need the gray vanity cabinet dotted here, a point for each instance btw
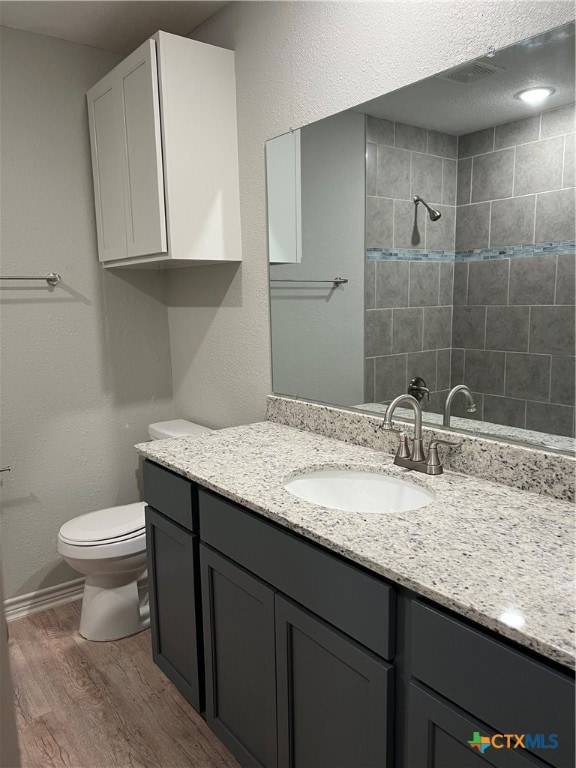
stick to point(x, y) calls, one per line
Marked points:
point(334, 697)
point(240, 665)
point(438, 734)
point(174, 580)
point(291, 679)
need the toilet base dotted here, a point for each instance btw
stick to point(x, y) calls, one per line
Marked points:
point(111, 607)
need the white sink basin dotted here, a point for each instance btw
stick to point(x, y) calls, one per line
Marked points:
point(356, 491)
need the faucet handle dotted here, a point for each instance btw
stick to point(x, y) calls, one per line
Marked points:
point(433, 463)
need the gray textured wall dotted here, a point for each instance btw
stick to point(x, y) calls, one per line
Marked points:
point(297, 63)
point(85, 367)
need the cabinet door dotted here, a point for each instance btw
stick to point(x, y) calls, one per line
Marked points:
point(238, 617)
point(334, 697)
point(439, 735)
point(124, 113)
point(283, 186)
point(108, 159)
point(140, 123)
point(173, 577)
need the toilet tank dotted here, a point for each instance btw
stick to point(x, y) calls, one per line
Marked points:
point(175, 428)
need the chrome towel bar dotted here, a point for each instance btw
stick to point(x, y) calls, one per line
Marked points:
point(334, 281)
point(51, 278)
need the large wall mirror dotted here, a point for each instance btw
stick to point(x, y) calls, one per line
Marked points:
point(425, 240)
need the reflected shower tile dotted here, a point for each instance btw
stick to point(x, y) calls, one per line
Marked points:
point(558, 121)
point(440, 234)
point(393, 173)
point(410, 137)
point(532, 280)
point(484, 371)
point(379, 131)
point(409, 226)
point(392, 283)
point(507, 328)
point(488, 281)
point(566, 279)
point(460, 283)
point(476, 143)
point(468, 326)
point(369, 284)
point(449, 182)
point(569, 176)
point(512, 221)
point(424, 283)
point(456, 366)
point(407, 330)
point(426, 177)
point(527, 376)
point(422, 364)
point(443, 144)
point(517, 132)
point(390, 377)
point(378, 332)
point(379, 222)
point(437, 332)
point(369, 392)
point(550, 418)
point(505, 410)
point(472, 226)
point(538, 167)
point(464, 181)
point(446, 283)
point(371, 168)
point(443, 369)
point(555, 218)
point(552, 330)
point(492, 175)
point(563, 385)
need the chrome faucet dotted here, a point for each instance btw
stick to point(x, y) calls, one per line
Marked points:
point(414, 459)
point(470, 408)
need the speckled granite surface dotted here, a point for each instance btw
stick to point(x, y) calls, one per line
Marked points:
point(518, 466)
point(501, 557)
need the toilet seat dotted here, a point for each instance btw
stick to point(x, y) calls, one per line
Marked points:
point(105, 526)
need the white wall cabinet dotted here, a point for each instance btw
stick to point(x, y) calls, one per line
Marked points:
point(283, 184)
point(165, 156)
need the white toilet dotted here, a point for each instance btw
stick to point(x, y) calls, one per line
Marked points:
point(109, 547)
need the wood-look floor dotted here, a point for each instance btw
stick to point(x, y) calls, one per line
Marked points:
point(83, 704)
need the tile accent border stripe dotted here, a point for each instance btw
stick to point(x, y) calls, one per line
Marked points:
point(528, 469)
point(505, 252)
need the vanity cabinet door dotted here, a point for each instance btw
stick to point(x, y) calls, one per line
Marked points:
point(334, 697)
point(438, 736)
point(238, 617)
point(175, 618)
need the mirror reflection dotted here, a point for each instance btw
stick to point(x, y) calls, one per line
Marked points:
point(424, 242)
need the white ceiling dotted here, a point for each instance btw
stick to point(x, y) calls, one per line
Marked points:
point(114, 25)
point(455, 108)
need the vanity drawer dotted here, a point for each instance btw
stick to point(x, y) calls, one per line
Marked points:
point(173, 495)
point(499, 685)
point(349, 598)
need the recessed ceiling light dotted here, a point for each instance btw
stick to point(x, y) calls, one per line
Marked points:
point(535, 96)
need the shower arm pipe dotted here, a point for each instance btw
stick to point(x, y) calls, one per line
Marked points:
point(52, 278)
point(434, 214)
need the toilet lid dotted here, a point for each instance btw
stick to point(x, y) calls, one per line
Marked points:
point(113, 524)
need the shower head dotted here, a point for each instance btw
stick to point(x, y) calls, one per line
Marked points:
point(432, 212)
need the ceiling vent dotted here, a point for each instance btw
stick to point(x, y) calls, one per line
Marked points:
point(470, 73)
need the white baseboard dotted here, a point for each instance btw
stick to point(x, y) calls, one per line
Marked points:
point(43, 599)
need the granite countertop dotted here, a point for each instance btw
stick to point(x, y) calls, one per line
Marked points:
point(499, 556)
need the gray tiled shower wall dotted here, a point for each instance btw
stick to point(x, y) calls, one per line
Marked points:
point(511, 334)
point(408, 303)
